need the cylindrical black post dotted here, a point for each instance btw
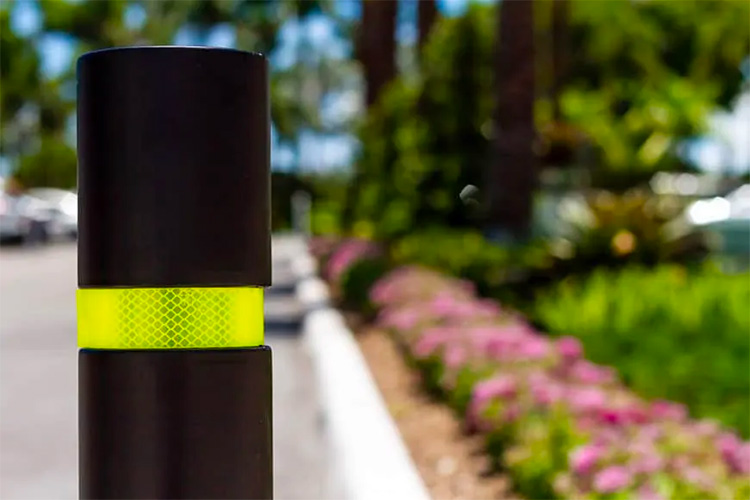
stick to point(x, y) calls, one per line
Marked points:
point(173, 255)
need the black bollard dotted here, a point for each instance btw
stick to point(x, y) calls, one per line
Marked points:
point(174, 251)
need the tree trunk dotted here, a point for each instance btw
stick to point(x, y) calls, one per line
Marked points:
point(512, 174)
point(377, 45)
point(559, 52)
point(427, 15)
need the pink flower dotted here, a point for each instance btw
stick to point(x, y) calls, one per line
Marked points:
point(705, 428)
point(735, 453)
point(455, 356)
point(447, 305)
point(646, 492)
point(443, 304)
point(612, 479)
point(741, 463)
point(622, 416)
point(611, 416)
point(697, 477)
point(502, 386)
point(569, 348)
point(589, 373)
point(666, 410)
point(511, 413)
point(607, 436)
point(651, 432)
point(545, 390)
point(427, 345)
point(435, 337)
point(584, 458)
point(346, 255)
point(399, 319)
point(533, 348)
point(586, 399)
point(647, 464)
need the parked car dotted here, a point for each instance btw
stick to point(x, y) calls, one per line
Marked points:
point(62, 210)
point(23, 219)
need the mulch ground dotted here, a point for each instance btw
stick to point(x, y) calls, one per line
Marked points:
point(452, 464)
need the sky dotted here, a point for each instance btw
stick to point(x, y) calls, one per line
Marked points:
point(725, 147)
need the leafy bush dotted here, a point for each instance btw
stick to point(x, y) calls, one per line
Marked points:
point(358, 279)
point(427, 139)
point(630, 59)
point(601, 229)
point(465, 254)
point(670, 334)
point(53, 165)
point(606, 229)
point(642, 78)
point(346, 253)
point(495, 270)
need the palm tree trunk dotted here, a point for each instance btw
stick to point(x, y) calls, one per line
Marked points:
point(377, 45)
point(427, 15)
point(512, 173)
point(559, 52)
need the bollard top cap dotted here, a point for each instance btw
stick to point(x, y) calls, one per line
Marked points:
point(173, 173)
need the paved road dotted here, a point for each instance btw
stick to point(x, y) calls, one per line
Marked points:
point(38, 380)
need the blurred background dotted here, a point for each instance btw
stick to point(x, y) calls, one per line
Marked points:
point(545, 119)
point(587, 163)
point(541, 119)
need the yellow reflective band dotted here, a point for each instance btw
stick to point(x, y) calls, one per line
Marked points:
point(169, 318)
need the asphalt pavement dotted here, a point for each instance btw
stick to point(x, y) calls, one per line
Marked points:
point(38, 380)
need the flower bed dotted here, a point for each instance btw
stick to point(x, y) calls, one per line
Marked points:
point(561, 426)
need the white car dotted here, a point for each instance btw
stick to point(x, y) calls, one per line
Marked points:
point(23, 218)
point(62, 210)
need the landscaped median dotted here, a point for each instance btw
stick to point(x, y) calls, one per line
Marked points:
point(557, 424)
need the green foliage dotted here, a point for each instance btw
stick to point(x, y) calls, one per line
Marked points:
point(641, 78)
point(538, 453)
point(645, 75)
point(469, 255)
point(34, 105)
point(359, 279)
point(653, 42)
point(605, 229)
point(53, 165)
point(671, 334)
point(467, 377)
point(19, 64)
point(466, 254)
point(432, 373)
point(426, 140)
point(329, 194)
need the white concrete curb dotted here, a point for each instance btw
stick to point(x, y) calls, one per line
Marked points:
point(369, 453)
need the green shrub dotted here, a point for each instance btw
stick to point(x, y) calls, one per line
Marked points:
point(505, 273)
point(53, 165)
point(538, 454)
point(465, 254)
point(641, 79)
point(359, 279)
point(607, 229)
point(426, 139)
point(671, 334)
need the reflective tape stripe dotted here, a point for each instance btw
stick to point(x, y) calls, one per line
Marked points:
point(169, 318)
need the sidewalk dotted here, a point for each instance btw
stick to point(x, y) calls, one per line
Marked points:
point(38, 400)
point(302, 451)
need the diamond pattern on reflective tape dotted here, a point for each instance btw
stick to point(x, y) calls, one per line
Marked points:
point(170, 318)
point(174, 317)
